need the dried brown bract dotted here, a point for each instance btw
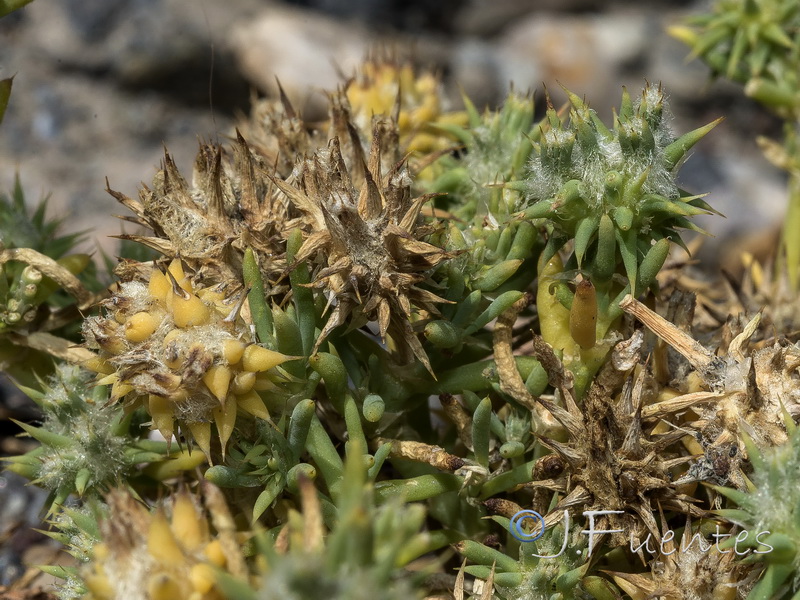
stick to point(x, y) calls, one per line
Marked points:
point(753, 389)
point(231, 204)
point(690, 568)
point(364, 232)
point(612, 463)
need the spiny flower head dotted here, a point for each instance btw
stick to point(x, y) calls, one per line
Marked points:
point(279, 134)
point(231, 204)
point(172, 553)
point(85, 444)
point(386, 86)
point(612, 191)
point(367, 242)
point(690, 568)
point(183, 352)
point(612, 463)
point(751, 389)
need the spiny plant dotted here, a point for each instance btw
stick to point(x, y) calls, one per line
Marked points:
point(354, 549)
point(371, 241)
point(87, 447)
point(691, 568)
point(316, 292)
point(769, 518)
point(183, 352)
point(552, 564)
point(386, 84)
point(754, 42)
point(611, 193)
point(173, 552)
point(41, 292)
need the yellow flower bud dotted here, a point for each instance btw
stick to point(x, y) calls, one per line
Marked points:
point(216, 554)
point(243, 382)
point(232, 351)
point(141, 326)
point(187, 523)
point(100, 552)
point(159, 287)
point(163, 587)
point(257, 358)
point(176, 270)
point(252, 403)
point(188, 311)
point(100, 587)
point(161, 543)
point(202, 578)
point(217, 380)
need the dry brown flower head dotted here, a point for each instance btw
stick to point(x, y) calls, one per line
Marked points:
point(363, 230)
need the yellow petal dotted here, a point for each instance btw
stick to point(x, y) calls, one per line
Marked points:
point(252, 403)
point(257, 358)
point(217, 380)
point(161, 543)
point(225, 418)
point(141, 326)
point(186, 523)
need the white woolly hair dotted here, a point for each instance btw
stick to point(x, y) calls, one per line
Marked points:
point(591, 165)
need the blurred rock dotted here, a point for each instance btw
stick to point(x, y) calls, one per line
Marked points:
point(308, 53)
point(413, 16)
point(589, 54)
point(491, 17)
point(102, 86)
point(148, 44)
point(302, 49)
point(20, 505)
point(476, 69)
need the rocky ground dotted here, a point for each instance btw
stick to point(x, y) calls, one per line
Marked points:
point(102, 86)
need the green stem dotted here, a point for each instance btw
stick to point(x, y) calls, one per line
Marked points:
point(791, 232)
point(516, 476)
point(417, 488)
